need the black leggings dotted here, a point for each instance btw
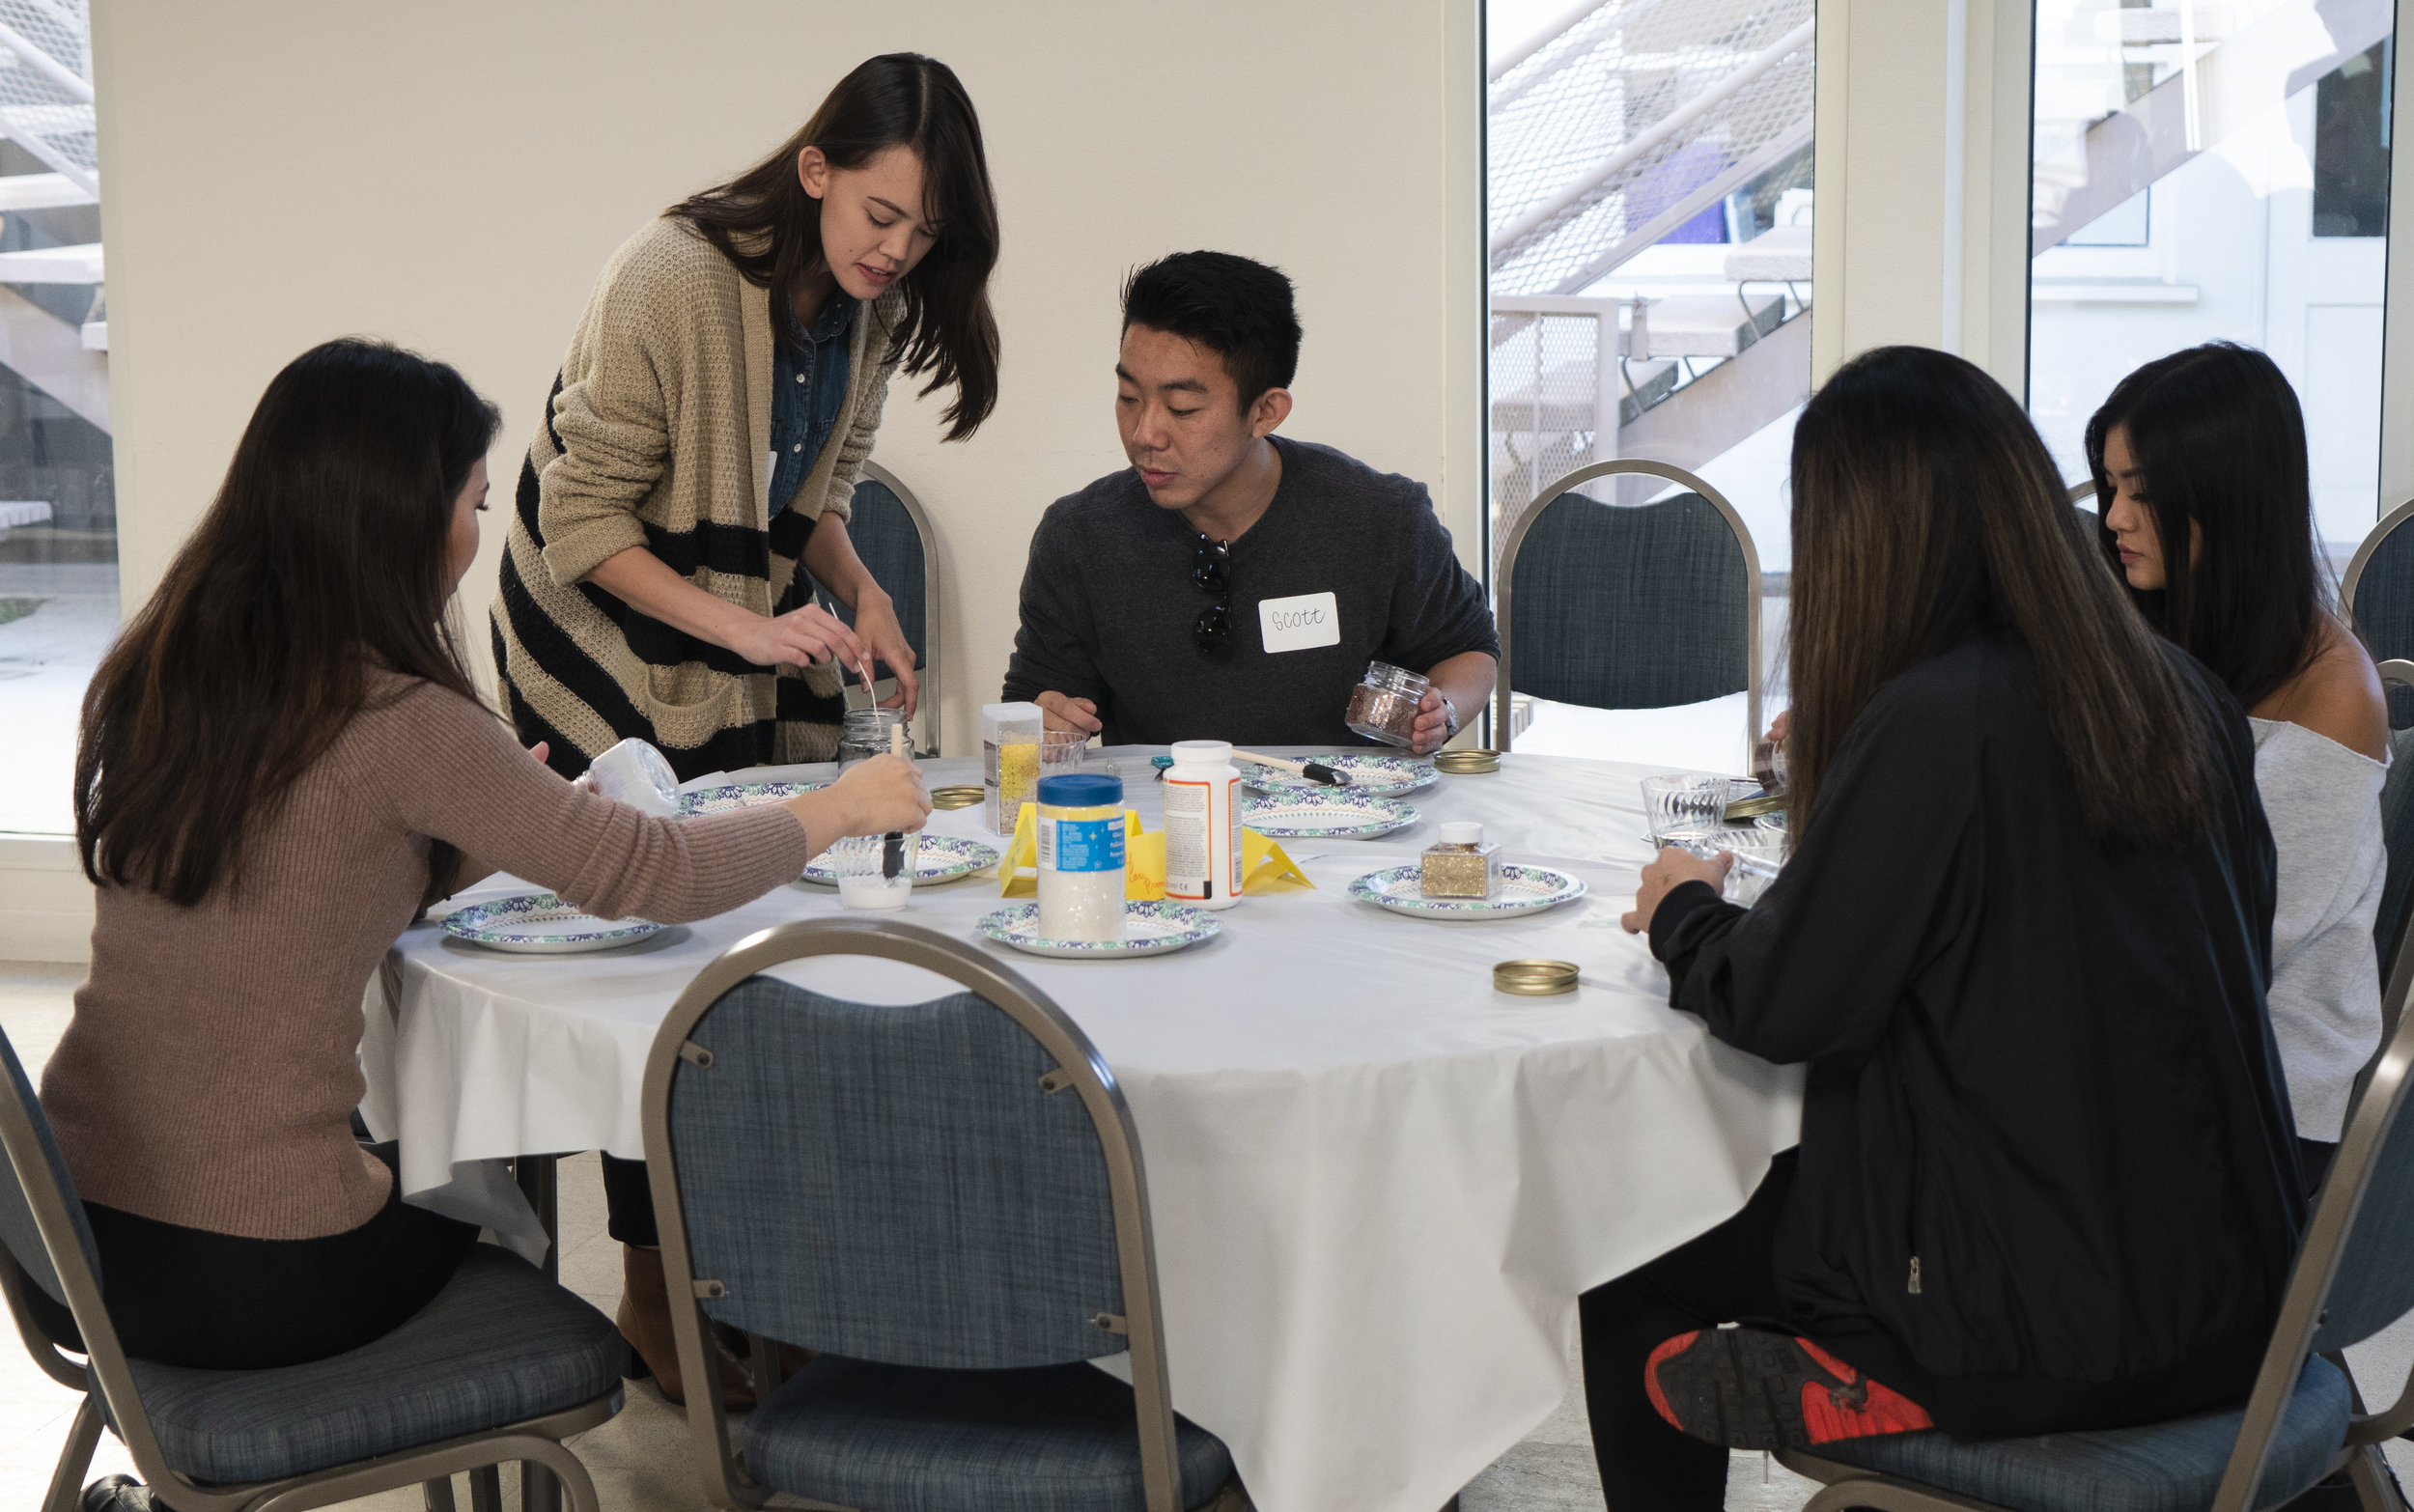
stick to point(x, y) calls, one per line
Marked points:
point(629, 1202)
point(217, 1302)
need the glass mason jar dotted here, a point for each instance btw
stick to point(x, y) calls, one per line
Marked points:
point(1382, 706)
point(865, 733)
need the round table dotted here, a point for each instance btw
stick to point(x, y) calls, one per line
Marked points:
point(1378, 1185)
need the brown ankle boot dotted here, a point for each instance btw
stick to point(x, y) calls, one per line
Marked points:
point(644, 1321)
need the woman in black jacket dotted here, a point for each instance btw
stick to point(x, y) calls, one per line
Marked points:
point(2046, 1178)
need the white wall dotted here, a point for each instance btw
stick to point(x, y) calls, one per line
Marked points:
point(452, 173)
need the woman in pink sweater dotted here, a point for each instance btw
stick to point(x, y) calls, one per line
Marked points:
point(283, 762)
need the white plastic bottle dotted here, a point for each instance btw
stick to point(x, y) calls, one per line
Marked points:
point(1203, 826)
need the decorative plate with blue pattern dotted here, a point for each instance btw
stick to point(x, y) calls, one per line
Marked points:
point(542, 924)
point(1326, 814)
point(1370, 775)
point(1521, 889)
point(939, 858)
point(1149, 929)
point(739, 795)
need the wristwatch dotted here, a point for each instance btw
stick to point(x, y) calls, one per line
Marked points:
point(1449, 713)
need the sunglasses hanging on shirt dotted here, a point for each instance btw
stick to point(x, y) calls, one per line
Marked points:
point(1211, 568)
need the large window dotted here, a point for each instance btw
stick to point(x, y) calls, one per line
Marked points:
point(58, 506)
point(1650, 198)
point(2211, 172)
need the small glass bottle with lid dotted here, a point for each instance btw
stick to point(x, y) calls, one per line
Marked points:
point(1460, 865)
point(1382, 706)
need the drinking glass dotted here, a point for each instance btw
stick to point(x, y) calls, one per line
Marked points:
point(1685, 807)
point(857, 860)
point(1060, 751)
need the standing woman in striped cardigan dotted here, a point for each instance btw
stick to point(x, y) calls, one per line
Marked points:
point(692, 481)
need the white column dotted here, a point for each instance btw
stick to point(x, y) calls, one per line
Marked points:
point(1923, 176)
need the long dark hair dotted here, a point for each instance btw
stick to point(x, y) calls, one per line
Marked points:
point(1927, 511)
point(765, 223)
point(2218, 434)
point(324, 552)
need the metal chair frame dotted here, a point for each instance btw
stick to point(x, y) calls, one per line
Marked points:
point(112, 1399)
point(1083, 1070)
point(2363, 556)
point(2376, 1110)
point(1506, 578)
point(927, 714)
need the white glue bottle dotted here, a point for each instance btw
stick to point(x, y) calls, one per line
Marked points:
point(1203, 826)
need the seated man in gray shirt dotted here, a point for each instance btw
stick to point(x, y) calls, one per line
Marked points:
point(1230, 585)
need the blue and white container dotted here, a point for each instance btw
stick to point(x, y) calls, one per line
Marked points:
point(1080, 857)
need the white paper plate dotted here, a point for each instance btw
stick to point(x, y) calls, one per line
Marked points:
point(938, 859)
point(1149, 929)
point(542, 924)
point(1522, 889)
point(1371, 776)
point(739, 795)
point(1326, 814)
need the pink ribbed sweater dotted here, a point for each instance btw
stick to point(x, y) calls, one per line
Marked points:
point(209, 1076)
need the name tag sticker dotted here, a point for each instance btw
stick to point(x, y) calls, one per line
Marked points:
point(1300, 623)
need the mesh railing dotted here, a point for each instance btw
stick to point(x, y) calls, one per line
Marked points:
point(46, 85)
point(1633, 121)
point(1547, 396)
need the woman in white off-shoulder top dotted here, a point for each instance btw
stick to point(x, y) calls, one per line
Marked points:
point(2210, 443)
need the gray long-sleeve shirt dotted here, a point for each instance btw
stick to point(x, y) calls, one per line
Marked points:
point(1109, 605)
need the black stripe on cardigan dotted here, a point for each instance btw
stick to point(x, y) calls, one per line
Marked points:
point(553, 650)
point(732, 551)
point(562, 753)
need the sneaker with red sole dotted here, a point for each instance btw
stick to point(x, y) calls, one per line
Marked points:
point(1750, 1388)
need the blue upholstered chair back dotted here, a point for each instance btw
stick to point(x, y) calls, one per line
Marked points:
point(2397, 827)
point(1637, 607)
point(893, 1184)
point(886, 539)
point(2375, 1284)
point(2379, 592)
point(18, 1230)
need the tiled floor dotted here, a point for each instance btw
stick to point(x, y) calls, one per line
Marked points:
point(639, 1459)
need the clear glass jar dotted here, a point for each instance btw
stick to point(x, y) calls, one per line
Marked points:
point(864, 733)
point(1382, 706)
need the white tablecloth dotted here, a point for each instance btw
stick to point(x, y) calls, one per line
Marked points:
point(1378, 1186)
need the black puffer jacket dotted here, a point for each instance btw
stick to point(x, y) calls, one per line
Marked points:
point(2045, 1134)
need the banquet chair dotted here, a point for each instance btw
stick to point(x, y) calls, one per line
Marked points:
point(947, 1201)
point(2376, 595)
point(1628, 606)
point(2302, 1421)
point(2396, 914)
point(892, 534)
point(502, 1366)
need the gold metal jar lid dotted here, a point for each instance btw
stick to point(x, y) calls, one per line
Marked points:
point(1535, 978)
point(1467, 763)
point(956, 797)
point(1754, 806)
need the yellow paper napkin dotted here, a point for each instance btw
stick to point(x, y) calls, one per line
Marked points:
point(1264, 868)
point(1144, 859)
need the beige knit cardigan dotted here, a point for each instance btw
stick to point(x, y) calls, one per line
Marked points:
point(657, 434)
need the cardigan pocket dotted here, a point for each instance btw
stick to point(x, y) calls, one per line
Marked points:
point(689, 703)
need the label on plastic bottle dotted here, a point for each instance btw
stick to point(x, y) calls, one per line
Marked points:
point(1081, 845)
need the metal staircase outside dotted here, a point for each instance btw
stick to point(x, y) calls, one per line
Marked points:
point(1620, 123)
point(47, 108)
point(1625, 120)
